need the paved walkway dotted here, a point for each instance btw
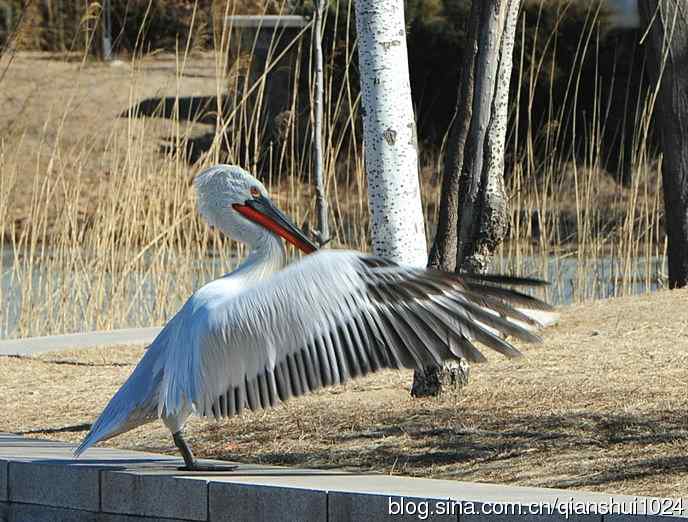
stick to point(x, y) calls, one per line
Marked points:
point(56, 343)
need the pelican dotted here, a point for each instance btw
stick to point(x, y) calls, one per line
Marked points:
point(265, 332)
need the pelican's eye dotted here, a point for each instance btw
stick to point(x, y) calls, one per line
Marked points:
point(255, 192)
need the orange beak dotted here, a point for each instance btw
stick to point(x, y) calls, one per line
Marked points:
point(262, 211)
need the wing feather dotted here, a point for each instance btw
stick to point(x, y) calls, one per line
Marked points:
point(231, 404)
point(342, 362)
point(240, 398)
point(272, 387)
point(335, 316)
point(326, 368)
point(252, 393)
point(283, 381)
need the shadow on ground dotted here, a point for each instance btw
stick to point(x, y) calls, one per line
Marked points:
point(199, 109)
point(191, 109)
point(587, 448)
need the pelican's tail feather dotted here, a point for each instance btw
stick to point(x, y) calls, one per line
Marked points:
point(134, 404)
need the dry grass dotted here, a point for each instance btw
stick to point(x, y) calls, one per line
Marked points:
point(88, 196)
point(599, 406)
point(97, 215)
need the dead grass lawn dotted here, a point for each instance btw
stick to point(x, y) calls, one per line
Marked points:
point(600, 406)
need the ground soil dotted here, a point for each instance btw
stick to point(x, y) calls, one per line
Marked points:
point(599, 406)
point(65, 114)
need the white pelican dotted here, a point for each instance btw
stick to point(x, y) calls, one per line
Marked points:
point(264, 333)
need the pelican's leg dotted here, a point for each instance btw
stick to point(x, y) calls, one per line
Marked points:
point(184, 449)
point(190, 461)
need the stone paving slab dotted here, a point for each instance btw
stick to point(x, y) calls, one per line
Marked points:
point(16, 448)
point(56, 343)
point(130, 486)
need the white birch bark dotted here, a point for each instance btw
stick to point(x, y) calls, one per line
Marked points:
point(321, 207)
point(391, 154)
point(496, 130)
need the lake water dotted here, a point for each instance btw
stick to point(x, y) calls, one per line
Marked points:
point(89, 301)
point(599, 278)
point(149, 303)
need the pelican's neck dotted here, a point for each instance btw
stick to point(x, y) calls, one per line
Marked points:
point(266, 257)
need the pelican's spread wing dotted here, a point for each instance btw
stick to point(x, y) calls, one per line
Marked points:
point(331, 317)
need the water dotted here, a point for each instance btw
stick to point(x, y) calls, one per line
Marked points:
point(88, 299)
point(599, 278)
point(146, 302)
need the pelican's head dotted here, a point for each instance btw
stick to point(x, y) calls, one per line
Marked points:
point(237, 203)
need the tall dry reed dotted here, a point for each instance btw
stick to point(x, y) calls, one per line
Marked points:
point(128, 248)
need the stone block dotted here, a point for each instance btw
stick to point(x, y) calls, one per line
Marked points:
point(54, 484)
point(513, 515)
point(154, 494)
point(344, 506)
point(35, 513)
point(4, 465)
point(230, 501)
point(630, 517)
point(113, 517)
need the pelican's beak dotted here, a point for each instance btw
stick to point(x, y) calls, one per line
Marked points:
point(262, 211)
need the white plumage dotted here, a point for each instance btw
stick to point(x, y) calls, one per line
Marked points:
point(264, 333)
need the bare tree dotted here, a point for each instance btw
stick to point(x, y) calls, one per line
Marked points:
point(321, 207)
point(473, 217)
point(391, 155)
point(667, 37)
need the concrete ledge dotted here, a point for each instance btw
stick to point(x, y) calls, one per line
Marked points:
point(39, 481)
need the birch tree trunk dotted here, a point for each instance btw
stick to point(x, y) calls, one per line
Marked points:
point(321, 207)
point(391, 155)
point(667, 23)
point(473, 216)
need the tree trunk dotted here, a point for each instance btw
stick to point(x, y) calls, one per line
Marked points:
point(668, 69)
point(107, 30)
point(473, 217)
point(391, 155)
point(483, 216)
point(321, 207)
